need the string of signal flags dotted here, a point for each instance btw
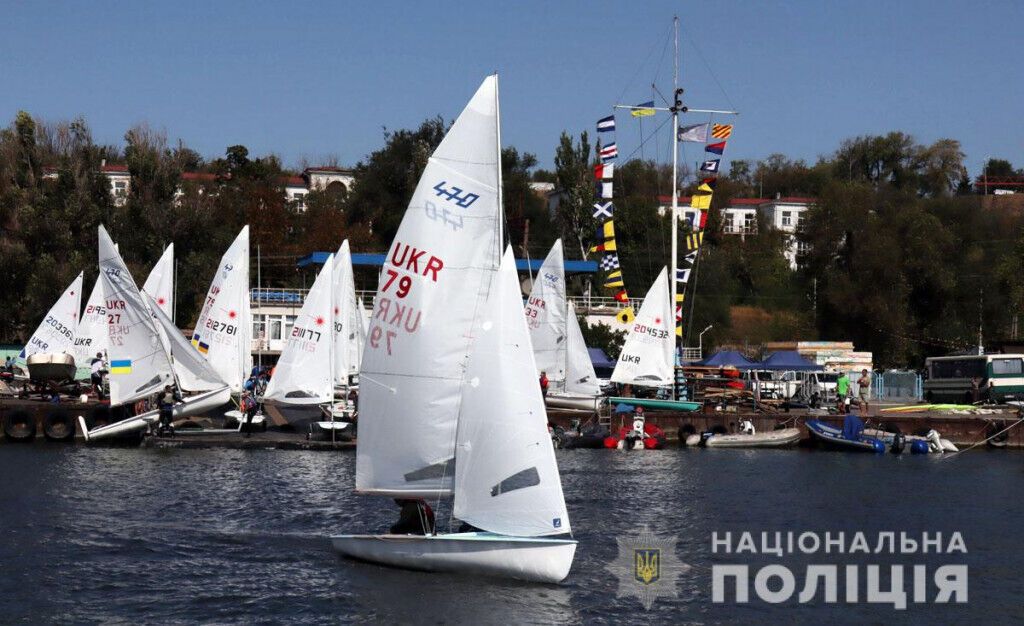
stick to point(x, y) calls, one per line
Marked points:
point(714, 137)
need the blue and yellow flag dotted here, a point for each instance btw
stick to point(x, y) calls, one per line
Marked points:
point(123, 366)
point(644, 109)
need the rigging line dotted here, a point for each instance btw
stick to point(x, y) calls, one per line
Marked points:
point(643, 65)
point(693, 42)
point(653, 133)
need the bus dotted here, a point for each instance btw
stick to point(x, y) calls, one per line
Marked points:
point(1000, 378)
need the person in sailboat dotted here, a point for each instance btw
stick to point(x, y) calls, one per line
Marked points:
point(415, 517)
point(165, 401)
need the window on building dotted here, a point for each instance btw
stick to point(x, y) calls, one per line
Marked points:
point(802, 248)
point(300, 201)
point(120, 188)
point(727, 223)
point(787, 218)
point(289, 322)
point(748, 222)
point(259, 326)
point(275, 329)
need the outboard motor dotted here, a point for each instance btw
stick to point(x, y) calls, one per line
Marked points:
point(899, 442)
point(934, 441)
point(704, 436)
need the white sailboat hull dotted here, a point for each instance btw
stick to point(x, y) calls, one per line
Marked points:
point(192, 405)
point(481, 553)
point(567, 400)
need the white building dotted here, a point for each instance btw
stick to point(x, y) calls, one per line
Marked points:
point(741, 217)
point(120, 181)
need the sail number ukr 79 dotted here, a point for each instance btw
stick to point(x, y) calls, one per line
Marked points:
point(393, 314)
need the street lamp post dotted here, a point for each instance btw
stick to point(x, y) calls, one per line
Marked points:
point(700, 340)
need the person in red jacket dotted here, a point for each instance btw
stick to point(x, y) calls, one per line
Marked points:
point(544, 384)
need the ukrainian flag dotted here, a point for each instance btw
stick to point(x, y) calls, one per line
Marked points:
point(121, 367)
point(644, 109)
point(203, 348)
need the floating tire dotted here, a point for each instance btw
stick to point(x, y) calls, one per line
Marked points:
point(100, 416)
point(19, 426)
point(59, 425)
point(994, 435)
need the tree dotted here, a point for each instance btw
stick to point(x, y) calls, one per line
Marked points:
point(575, 187)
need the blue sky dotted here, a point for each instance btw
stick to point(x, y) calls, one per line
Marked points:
point(312, 80)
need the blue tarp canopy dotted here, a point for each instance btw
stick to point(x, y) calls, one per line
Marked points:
point(600, 359)
point(377, 260)
point(728, 357)
point(788, 360)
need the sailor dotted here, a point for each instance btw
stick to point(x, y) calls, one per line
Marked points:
point(544, 384)
point(747, 427)
point(864, 391)
point(637, 434)
point(165, 402)
point(415, 517)
point(248, 405)
point(842, 390)
point(96, 368)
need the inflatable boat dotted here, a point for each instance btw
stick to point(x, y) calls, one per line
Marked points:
point(850, 437)
point(781, 438)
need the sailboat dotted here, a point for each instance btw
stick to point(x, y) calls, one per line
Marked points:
point(160, 282)
point(558, 344)
point(140, 365)
point(49, 352)
point(449, 404)
point(303, 379)
point(223, 332)
point(92, 336)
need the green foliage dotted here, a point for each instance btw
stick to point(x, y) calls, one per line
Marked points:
point(602, 336)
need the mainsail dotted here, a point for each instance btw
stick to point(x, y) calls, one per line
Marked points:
point(580, 376)
point(348, 335)
point(138, 364)
point(506, 477)
point(160, 282)
point(432, 288)
point(646, 357)
point(304, 373)
point(223, 331)
point(92, 336)
point(56, 333)
point(546, 316)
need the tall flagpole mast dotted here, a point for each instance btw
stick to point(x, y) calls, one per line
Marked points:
point(675, 194)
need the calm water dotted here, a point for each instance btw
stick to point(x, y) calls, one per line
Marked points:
point(127, 535)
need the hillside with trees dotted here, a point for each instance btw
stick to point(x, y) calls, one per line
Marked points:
point(903, 255)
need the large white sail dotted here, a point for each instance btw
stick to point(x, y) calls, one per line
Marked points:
point(580, 376)
point(190, 368)
point(432, 287)
point(92, 336)
point(139, 366)
point(347, 323)
point(646, 357)
point(545, 316)
point(305, 371)
point(506, 477)
point(56, 333)
point(160, 282)
point(224, 329)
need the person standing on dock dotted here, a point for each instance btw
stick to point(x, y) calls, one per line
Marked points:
point(842, 391)
point(96, 368)
point(864, 391)
point(544, 382)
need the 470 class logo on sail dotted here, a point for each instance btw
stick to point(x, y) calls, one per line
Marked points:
point(456, 195)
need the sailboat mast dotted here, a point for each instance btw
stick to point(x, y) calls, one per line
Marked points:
point(675, 186)
point(501, 199)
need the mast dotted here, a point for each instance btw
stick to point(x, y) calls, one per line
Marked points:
point(675, 190)
point(501, 197)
